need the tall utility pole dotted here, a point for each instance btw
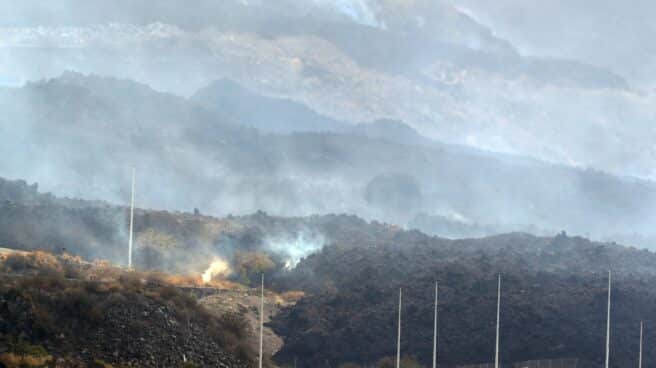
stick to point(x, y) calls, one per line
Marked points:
point(640, 356)
point(435, 331)
point(496, 349)
point(398, 337)
point(131, 221)
point(261, 321)
point(608, 324)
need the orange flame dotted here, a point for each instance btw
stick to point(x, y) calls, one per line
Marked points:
point(219, 267)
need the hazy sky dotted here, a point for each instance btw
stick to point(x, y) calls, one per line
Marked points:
point(565, 81)
point(609, 33)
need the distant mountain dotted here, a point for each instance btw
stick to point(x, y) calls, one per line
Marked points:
point(234, 102)
point(430, 63)
point(395, 37)
point(392, 131)
point(267, 114)
point(79, 135)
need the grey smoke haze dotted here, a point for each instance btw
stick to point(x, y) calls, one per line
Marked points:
point(428, 63)
point(484, 75)
point(607, 33)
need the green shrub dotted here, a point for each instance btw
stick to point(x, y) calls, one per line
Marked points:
point(99, 363)
point(24, 348)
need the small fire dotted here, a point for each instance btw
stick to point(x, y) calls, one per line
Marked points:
point(219, 267)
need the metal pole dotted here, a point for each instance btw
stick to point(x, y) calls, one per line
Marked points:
point(640, 357)
point(435, 331)
point(608, 323)
point(496, 349)
point(261, 321)
point(398, 338)
point(131, 221)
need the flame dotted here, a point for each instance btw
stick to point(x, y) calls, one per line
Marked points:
point(219, 267)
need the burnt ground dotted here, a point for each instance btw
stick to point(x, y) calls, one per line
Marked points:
point(553, 301)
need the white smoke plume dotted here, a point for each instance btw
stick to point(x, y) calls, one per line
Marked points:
point(294, 249)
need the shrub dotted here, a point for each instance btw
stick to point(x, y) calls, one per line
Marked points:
point(99, 363)
point(292, 296)
point(251, 264)
point(154, 247)
point(43, 281)
point(235, 324)
point(20, 347)
point(17, 262)
point(12, 360)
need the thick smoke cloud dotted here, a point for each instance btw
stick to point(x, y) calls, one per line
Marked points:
point(553, 120)
point(442, 67)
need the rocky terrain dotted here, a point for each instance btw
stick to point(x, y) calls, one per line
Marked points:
point(553, 300)
point(246, 303)
point(349, 271)
point(75, 314)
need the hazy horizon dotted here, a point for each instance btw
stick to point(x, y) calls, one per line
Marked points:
point(516, 99)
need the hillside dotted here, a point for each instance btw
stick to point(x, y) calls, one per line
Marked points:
point(278, 184)
point(64, 312)
point(350, 270)
point(267, 114)
point(553, 300)
point(213, 162)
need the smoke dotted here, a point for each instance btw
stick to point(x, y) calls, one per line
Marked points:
point(445, 74)
point(597, 32)
point(292, 249)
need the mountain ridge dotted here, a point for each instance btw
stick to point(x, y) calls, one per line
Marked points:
point(119, 124)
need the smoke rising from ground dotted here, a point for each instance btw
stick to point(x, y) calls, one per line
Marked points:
point(294, 249)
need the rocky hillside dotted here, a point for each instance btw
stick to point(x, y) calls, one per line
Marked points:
point(170, 241)
point(553, 300)
point(69, 313)
point(245, 302)
point(350, 271)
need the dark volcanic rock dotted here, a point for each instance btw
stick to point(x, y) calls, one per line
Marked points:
point(553, 300)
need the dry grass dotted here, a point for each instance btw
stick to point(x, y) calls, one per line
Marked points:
point(12, 360)
point(66, 266)
point(291, 297)
point(22, 354)
point(65, 288)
